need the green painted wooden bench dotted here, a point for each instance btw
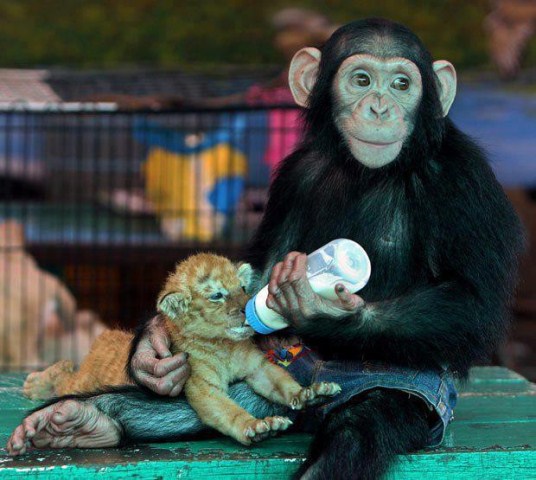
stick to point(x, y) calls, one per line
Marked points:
point(492, 437)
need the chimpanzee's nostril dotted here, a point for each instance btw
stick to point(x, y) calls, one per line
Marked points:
point(379, 109)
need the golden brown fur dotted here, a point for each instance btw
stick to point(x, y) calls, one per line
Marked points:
point(203, 302)
point(39, 320)
point(103, 366)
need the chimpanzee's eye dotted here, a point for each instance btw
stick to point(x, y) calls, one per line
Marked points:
point(361, 79)
point(215, 297)
point(400, 83)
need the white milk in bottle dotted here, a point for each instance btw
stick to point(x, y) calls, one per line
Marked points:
point(340, 261)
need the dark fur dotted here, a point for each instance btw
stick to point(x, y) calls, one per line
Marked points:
point(141, 330)
point(374, 426)
point(442, 238)
point(440, 286)
point(144, 416)
point(443, 241)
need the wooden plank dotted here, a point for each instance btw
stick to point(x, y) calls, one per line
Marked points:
point(477, 437)
point(12, 399)
point(494, 380)
point(494, 374)
point(460, 438)
point(498, 389)
point(181, 463)
point(496, 409)
point(493, 465)
point(12, 379)
point(493, 437)
point(10, 420)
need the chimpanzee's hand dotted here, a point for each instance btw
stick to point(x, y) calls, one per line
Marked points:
point(290, 294)
point(153, 365)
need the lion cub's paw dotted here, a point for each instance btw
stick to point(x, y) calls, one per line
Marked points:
point(314, 394)
point(42, 385)
point(260, 429)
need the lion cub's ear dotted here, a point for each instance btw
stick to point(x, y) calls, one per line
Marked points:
point(173, 304)
point(245, 275)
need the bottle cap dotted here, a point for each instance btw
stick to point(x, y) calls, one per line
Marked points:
point(253, 320)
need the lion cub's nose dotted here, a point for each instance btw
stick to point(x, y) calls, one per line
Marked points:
point(243, 311)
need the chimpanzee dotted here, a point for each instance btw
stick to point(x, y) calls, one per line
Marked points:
point(382, 164)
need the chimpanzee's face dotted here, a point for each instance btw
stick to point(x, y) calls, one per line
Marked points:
point(376, 97)
point(375, 104)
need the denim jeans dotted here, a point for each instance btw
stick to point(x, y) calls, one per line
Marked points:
point(434, 387)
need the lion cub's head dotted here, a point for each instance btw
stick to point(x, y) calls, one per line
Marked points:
point(205, 296)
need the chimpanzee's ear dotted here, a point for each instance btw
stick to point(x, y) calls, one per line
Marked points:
point(302, 74)
point(173, 304)
point(245, 275)
point(446, 76)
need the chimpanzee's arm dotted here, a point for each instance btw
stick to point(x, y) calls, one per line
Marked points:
point(437, 325)
point(150, 363)
point(460, 317)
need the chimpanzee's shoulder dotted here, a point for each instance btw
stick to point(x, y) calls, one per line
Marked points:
point(469, 188)
point(462, 156)
point(302, 167)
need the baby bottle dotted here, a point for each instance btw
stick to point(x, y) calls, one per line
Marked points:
point(339, 261)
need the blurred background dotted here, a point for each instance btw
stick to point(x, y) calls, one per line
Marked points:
point(134, 133)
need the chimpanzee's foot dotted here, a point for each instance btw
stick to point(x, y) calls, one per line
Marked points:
point(314, 394)
point(66, 424)
point(42, 385)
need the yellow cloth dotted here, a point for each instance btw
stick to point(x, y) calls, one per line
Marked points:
point(179, 187)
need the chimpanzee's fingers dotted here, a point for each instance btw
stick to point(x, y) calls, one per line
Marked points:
point(274, 305)
point(168, 365)
point(16, 444)
point(162, 386)
point(180, 377)
point(273, 287)
point(177, 390)
point(160, 343)
point(286, 297)
point(36, 421)
point(288, 265)
point(298, 277)
point(278, 281)
point(144, 362)
point(289, 275)
point(167, 384)
point(299, 294)
point(146, 380)
point(281, 301)
point(278, 294)
point(348, 300)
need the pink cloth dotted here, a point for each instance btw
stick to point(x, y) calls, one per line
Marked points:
point(285, 125)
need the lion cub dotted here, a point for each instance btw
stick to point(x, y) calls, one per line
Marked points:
point(203, 302)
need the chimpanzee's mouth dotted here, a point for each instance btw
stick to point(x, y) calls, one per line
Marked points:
point(377, 144)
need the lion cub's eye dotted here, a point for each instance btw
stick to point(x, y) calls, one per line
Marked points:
point(215, 297)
